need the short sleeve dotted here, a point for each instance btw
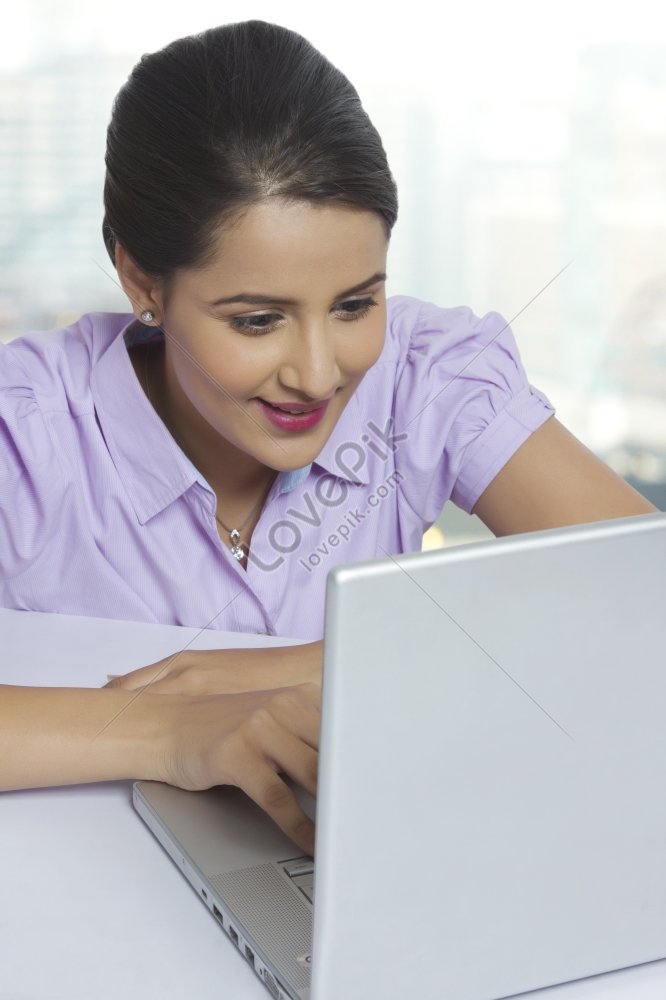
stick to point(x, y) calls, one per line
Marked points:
point(17, 402)
point(29, 470)
point(463, 399)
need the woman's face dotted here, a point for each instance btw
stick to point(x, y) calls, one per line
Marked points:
point(303, 319)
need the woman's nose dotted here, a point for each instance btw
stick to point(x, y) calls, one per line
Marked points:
point(310, 367)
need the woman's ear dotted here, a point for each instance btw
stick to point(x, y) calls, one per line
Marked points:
point(142, 290)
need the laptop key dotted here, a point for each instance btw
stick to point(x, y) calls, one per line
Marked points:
point(301, 866)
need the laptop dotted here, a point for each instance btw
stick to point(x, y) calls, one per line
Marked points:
point(491, 815)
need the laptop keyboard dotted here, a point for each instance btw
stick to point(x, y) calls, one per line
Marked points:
point(301, 874)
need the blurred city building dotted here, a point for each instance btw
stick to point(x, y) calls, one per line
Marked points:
point(53, 119)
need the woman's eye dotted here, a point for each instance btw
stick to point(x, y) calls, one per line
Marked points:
point(356, 308)
point(260, 323)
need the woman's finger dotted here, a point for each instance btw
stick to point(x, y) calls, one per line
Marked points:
point(135, 679)
point(271, 793)
point(274, 735)
point(298, 710)
point(297, 761)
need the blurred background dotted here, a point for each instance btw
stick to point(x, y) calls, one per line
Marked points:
point(529, 147)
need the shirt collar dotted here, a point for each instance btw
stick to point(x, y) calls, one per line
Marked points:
point(151, 466)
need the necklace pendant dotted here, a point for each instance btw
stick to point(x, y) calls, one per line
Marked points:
point(237, 552)
point(234, 535)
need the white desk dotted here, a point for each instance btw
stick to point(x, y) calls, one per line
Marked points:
point(91, 908)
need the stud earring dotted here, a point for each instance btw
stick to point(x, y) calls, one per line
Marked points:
point(147, 316)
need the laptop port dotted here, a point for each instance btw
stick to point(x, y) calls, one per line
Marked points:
point(233, 935)
point(218, 914)
point(249, 954)
point(271, 984)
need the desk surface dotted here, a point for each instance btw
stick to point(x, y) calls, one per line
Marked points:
point(91, 908)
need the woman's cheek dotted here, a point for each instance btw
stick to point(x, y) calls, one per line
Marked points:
point(235, 370)
point(367, 349)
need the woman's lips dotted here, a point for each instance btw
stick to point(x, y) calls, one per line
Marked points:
point(298, 407)
point(306, 418)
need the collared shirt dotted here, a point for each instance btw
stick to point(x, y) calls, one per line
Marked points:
point(101, 513)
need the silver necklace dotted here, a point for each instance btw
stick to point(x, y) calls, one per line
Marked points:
point(239, 549)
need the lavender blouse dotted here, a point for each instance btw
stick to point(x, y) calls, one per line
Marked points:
point(102, 514)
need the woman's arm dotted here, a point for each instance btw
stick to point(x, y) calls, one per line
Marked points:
point(554, 480)
point(48, 736)
point(54, 736)
point(227, 671)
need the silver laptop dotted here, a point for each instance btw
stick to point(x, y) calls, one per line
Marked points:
point(491, 815)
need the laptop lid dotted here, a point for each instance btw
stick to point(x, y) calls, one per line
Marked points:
point(490, 813)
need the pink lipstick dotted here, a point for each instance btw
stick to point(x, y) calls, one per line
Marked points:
point(306, 415)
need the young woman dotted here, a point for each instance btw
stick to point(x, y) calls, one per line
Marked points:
point(261, 414)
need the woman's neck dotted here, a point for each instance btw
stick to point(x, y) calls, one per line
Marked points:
point(227, 469)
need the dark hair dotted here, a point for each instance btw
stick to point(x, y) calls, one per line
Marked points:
point(217, 121)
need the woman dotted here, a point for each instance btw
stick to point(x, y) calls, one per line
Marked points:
point(262, 415)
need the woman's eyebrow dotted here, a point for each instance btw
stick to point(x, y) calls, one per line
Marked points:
point(254, 299)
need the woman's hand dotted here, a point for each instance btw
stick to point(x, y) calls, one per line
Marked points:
point(247, 740)
point(62, 736)
point(227, 671)
point(237, 717)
